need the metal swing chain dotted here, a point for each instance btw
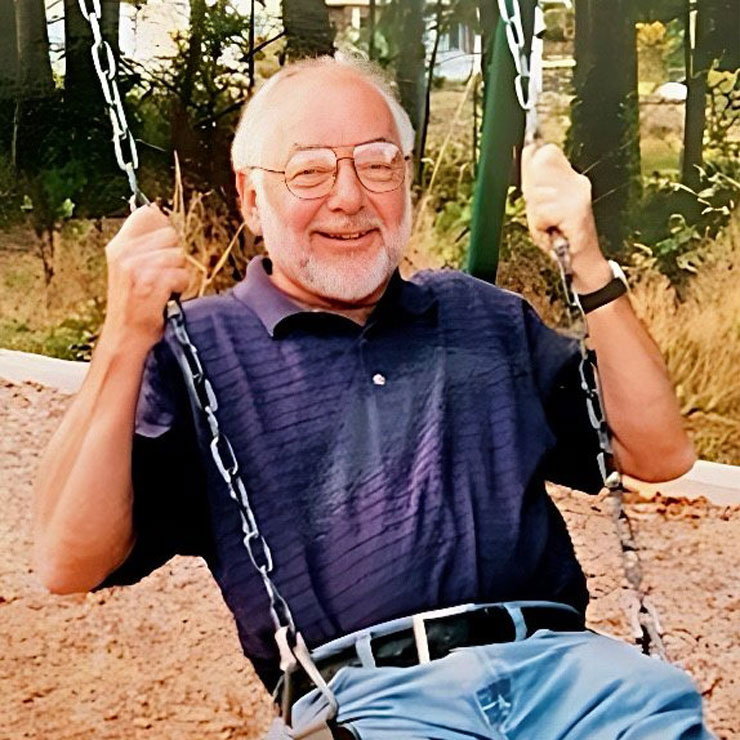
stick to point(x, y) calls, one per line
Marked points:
point(104, 61)
point(203, 397)
point(292, 647)
point(290, 642)
point(643, 616)
point(528, 70)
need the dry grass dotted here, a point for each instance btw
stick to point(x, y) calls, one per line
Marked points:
point(206, 236)
point(700, 340)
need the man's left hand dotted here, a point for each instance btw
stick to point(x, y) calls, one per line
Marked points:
point(558, 200)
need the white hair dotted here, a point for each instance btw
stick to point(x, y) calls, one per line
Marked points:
point(253, 127)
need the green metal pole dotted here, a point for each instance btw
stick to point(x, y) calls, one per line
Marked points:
point(503, 131)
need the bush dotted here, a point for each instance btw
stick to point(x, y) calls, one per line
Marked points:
point(675, 220)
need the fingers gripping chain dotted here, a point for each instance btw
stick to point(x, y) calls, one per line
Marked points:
point(647, 627)
point(292, 647)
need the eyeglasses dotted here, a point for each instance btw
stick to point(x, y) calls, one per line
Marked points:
point(311, 173)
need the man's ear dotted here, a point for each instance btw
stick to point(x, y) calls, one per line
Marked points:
point(248, 202)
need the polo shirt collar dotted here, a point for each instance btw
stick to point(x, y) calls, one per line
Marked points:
point(272, 306)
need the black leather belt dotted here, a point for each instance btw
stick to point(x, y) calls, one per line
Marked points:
point(483, 626)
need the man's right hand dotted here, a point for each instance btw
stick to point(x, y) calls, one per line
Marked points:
point(146, 264)
point(83, 498)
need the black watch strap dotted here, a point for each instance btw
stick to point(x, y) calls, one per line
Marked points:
point(610, 292)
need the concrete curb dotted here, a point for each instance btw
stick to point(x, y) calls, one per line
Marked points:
point(62, 375)
point(720, 484)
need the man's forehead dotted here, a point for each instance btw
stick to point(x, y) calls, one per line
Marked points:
point(329, 107)
point(332, 145)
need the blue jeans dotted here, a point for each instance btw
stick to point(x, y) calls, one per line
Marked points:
point(552, 685)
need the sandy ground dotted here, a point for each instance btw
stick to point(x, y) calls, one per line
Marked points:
point(161, 659)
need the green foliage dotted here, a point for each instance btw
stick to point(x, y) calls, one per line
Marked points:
point(70, 340)
point(56, 184)
point(451, 198)
point(190, 103)
point(389, 31)
point(723, 115)
point(10, 198)
point(675, 221)
point(661, 52)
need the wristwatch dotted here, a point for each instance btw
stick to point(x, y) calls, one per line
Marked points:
point(616, 287)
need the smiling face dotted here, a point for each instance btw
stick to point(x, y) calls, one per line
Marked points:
point(341, 248)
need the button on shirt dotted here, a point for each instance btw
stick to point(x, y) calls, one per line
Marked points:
point(393, 467)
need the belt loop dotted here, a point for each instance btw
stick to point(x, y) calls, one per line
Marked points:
point(420, 636)
point(517, 618)
point(364, 651)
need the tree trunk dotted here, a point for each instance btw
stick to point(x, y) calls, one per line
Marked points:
point(604, 134)
point(371, 23)
point(307, 27)
point(111, 23)
point(252, 78)
point(81, 86)
point(428, 96)
point(8, 52)
point(411, 63)
point(184, 138)
point(696, 101)
point(718, 34)
point(489, 16)
point(34, 77)
point(8, 79)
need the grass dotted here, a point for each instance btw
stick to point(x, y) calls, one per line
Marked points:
point(699, 335)
point(53, 320)
point(700, 340)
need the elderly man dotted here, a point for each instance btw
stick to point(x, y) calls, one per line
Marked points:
point(393, 437)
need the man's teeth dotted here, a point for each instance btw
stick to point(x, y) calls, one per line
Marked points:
point(356, 235)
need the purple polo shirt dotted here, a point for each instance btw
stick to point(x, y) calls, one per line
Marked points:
point(393, 468)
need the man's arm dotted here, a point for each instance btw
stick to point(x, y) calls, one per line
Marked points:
point(648, 434)
point(83, 495)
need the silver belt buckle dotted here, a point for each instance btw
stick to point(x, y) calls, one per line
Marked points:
point(420, 631)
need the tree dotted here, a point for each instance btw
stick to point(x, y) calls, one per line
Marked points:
point(714, 42)
point(8, 77)
point(34, 76)
point(308, 31)
point(696, 98)
point(489, 15)
point(410, 63)
point(8, 51)
point(82, 91)
point(604, 135)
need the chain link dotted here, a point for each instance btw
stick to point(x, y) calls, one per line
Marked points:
point(104, 61)
point(202, 394)
point(200, 390)
point(648, 632)
point(511, 15)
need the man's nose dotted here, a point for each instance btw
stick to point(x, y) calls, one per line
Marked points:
point(348, 193)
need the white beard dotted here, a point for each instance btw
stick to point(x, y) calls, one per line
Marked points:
point(349, 277)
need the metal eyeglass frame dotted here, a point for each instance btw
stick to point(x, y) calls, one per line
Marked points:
point(337, 159)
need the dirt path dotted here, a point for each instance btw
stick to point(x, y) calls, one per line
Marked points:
point(161, 660)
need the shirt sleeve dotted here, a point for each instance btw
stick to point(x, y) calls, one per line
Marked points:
point(556, 359)
point(170, 512)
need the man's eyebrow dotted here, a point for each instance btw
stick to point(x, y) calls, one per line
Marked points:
point(296, 146)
